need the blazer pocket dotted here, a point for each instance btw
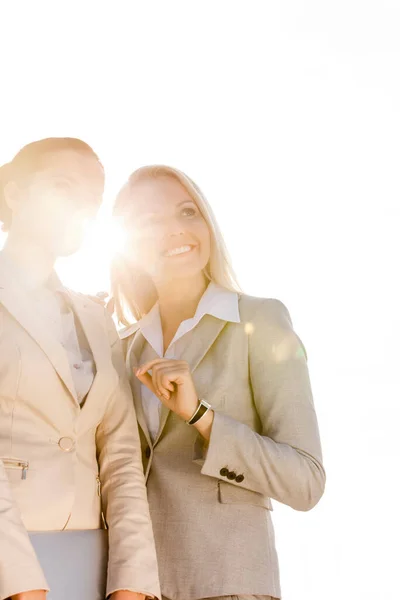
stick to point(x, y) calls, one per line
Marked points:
point(231, 494)
point(16, 468)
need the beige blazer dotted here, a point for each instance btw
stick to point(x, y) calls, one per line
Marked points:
point(211, 509)
point(62, 464)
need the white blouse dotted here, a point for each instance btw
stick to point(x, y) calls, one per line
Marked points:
point(217, 302)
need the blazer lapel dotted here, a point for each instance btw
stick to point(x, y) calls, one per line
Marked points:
point(200, 340)
point(164, 414)
point(17, 304)
point(193, 347)
point(134, 351)
point(94, 328)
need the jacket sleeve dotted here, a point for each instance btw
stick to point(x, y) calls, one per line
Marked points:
point(284, 460)
point(20, 570)
point(132, 555)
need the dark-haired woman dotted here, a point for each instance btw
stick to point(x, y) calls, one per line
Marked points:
point(69, 445)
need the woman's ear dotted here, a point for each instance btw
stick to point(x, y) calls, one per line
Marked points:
point(12, 195)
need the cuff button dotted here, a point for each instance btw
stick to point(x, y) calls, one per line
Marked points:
point(231, 475)
point(239, 478)
point(224, 472)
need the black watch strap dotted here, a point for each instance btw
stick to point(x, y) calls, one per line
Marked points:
point(199, 413)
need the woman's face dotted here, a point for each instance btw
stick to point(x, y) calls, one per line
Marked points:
point(52, 208)
point(168, 236)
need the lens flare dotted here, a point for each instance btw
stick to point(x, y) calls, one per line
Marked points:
point(88, 270)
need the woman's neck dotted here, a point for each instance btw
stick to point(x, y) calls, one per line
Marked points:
point(178, 301)
point(30, 258)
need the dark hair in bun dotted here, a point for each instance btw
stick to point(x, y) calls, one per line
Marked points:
point(28, 160)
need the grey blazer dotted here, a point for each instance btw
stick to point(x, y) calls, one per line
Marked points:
point(211, 507)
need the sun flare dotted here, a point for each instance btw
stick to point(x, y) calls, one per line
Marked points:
point(88, 270)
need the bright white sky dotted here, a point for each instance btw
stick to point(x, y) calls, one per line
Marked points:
point(287, 115)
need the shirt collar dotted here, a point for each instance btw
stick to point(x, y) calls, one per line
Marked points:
point(216, 301)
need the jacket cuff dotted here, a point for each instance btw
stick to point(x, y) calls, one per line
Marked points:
point(200, 450)
point(222, 459)
point(128, 578)
point(15, 579)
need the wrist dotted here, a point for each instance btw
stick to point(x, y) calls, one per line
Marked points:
point(204, 426)
point(201, 410)
point(188, 412)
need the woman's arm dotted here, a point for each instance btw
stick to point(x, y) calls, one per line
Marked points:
point(132, 556)
point(20, 570)
point(284, 460)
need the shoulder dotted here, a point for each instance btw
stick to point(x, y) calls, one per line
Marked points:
point(269, 327)
point(269, 311)
point(88, 303)
point(98, 310)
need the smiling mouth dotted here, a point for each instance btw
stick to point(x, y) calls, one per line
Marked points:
point(178, 251)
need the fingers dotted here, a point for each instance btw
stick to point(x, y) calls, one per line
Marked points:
point(160, 361)
point(165, 374)
point(148, 366)
point(162, 380)
point(159, 385)
point(146, 379)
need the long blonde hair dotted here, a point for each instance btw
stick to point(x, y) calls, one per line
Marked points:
point(133, 290)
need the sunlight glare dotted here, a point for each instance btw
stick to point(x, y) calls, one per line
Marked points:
point(88, 270)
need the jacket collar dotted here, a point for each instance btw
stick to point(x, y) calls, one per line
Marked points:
point(16, 300)
point(216, 308)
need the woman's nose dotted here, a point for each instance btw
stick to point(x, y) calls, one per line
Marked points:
point(174, 227)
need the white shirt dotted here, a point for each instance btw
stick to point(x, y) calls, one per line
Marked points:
point(217, 302)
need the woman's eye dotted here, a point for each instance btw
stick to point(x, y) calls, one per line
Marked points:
point(188, 212)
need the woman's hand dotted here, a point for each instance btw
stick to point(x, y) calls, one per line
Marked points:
point(171, 381)
point(32, 595)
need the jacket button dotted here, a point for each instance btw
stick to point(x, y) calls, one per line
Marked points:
point(231, 475)
point(148, 452)
point(224, 472)
point(66, 444)
point(239, 478)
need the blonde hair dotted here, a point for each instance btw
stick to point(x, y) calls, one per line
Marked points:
point(133, 290)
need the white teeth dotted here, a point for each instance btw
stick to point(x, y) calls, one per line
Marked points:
point(176, 251)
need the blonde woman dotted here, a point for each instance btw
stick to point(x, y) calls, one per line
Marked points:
point(222, 395)
point(69, 444)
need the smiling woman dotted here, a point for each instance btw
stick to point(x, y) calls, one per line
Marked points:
point(171, 233)
point(222, 396)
